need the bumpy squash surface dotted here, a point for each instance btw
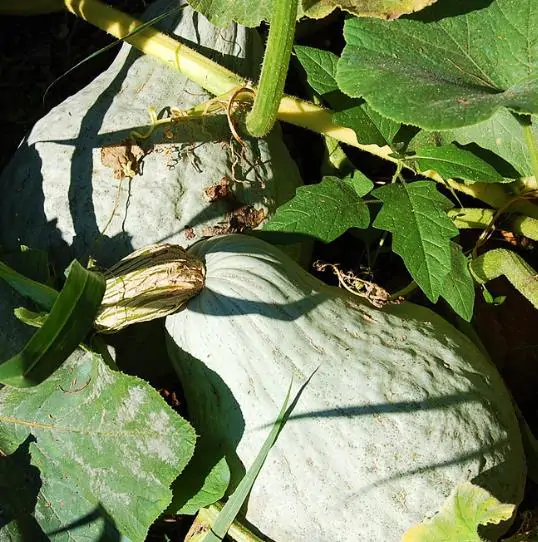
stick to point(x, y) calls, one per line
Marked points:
point(60, 189)
point(402, 408)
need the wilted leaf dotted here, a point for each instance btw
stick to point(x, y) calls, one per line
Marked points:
point(450, 71)
point(421, 231)
point(106, 446)
point(245, 12)
point(460, 516)
point(325, 210)
point(384, 9)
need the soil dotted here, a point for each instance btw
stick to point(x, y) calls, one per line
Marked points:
point(36, 51)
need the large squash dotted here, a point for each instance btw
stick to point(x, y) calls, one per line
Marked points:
point(61, 188)
point(402, 409)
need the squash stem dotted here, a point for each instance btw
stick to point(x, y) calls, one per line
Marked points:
point(500, 261)
point(495, 195)
point(276, 59)
point(471, 218)
point(209, 75)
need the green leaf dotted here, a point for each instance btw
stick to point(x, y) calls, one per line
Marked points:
point(106, 444)
point(460, 516)
point(320, 68)
point(67, 325)
point(503, 135)
point(325, 210)
point(421, 231)
point(385, 9)
point(193, 489)
point(370, 127)
point(450, 71)
point(458, 287)
point(31, 318)
point(43, 295)
point(451, 162)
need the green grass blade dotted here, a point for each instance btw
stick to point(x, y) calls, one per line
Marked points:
point(139, 28)
point(68, 323)
point(237, 499)
point(43, 295)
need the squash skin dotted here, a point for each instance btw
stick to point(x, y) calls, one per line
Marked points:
point(58, 195)
point(405, 406)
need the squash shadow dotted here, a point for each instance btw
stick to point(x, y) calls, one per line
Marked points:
point(22, 224)
point(220, 424)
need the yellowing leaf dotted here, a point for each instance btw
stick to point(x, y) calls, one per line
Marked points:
point(460, 516)
point(383, 9)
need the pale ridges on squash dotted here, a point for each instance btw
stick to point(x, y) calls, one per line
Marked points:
point(402, 409)
point(58, 194)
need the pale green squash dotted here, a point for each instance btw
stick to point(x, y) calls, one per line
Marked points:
point(59, 191)
point(402, 409)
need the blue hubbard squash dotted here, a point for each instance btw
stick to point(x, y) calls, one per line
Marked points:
point(77, 175)
point(402, 409)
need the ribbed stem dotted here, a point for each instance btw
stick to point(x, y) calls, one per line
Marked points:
point(480, 219)
point(495, 263)
point(270, 90)
point(210, 75)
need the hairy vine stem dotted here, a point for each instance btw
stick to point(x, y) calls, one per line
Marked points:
point(276, 59)
point(210, 75)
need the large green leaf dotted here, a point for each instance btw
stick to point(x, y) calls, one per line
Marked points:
point(450, 71)
point(67, 325)
point(460, 516)
point(106, 444)
point(325, 210)
point(421, 231)
point(451, 162)
point(458, 287)
point(370, 126)
point(502, 134)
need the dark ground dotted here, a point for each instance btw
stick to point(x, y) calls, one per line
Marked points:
point(36, 50)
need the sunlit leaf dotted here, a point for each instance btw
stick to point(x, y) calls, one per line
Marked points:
point(447, 72)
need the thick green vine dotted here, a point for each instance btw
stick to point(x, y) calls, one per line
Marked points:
point(263, 115)
point(500, 261)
